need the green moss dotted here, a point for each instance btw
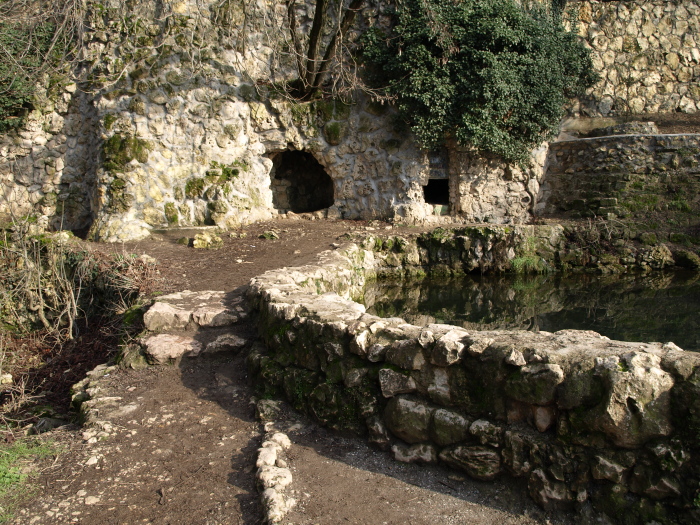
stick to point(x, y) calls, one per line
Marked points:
point(109, 121)
point(194, 187)
point(118, 151)
point(247, 93)
point(171, 214)
point(334, 132)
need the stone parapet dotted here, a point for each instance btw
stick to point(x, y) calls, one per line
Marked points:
point(581, 418)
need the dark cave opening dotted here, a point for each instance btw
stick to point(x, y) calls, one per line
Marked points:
point(300, 183)
point(437, 191)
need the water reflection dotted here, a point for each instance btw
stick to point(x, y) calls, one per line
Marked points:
point(659, 307)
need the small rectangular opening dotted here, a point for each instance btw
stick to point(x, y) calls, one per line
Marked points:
point(437, 191)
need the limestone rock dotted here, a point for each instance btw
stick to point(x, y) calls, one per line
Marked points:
point(164, 348)
point(274, 477)
point(207, 309)
point(276, 505)
point(419, 453)
point(535, 384)
point(479, 462)
point(378, 433)
point(207, 241)
point(448, 348)
point(603, 468)
point(636, 407)
point(227, 343)
point(549, 494)
point(486, 433)
point(164, 316)
point(448, 427)
point(407, 354)
point(408, 418)
point(393, 383)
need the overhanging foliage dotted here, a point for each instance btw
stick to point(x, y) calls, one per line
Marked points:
point(489, 73)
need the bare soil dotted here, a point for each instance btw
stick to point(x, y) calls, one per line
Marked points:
point(185, 440)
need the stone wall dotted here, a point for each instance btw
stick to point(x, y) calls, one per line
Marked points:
point(647, 53)
point(182, 119)
point(620, 176)
point(48, 167)
point(582, 419)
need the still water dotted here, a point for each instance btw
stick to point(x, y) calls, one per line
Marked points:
point(659, 307)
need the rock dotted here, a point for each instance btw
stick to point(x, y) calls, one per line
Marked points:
point(276, 505)
point(207, 309)
point(408, 418)
point(602, 468)
point(487, 433)
point(281, 439)
point(482, 463)
point(515, 358)
point(274, 477)
point(420, 453)
point(686, 259)
point(516, 453)
point(164, 316)
point(535, 384)
point(6, 379)
point(165, 348)
point(267, 409)
point(47, 423)
point(448, 349)
point(227, 343)
point(393, 383)
point(406, 354)
point(378, 433)
point(270, 235)
point(448, 427)
point(636, 406)
point(547, 493)
point(543, 417)
point(92, 500)
point(207, 241)
point(267, 456)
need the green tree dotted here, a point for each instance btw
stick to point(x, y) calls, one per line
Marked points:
point(489, 73)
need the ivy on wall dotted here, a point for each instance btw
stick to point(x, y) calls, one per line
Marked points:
point(490, 73)
point(23, 54)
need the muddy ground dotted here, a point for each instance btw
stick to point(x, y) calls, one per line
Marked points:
point(185, 439)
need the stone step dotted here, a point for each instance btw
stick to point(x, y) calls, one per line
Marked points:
point(189, 310)
point(192, 323)
point(164, 348)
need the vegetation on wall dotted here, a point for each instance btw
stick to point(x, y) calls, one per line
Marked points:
point(22, 52)
point(489, 73)
point(38, 44)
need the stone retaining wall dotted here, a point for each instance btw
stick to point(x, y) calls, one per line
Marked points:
point(647, 53)
point(583, 419)
point(622, 175)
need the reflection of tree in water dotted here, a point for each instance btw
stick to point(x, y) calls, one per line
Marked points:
point(657, 307)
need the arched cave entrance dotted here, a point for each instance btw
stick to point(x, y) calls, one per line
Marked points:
point(299, 183)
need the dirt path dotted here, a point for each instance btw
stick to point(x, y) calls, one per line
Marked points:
point(183, 446)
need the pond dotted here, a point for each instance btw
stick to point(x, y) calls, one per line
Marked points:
point(659, 307)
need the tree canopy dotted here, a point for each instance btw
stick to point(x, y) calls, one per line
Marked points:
point(489, 73)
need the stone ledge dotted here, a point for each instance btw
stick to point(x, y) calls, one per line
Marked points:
point(579, 416)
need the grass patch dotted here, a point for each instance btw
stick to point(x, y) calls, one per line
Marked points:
point(16, 472)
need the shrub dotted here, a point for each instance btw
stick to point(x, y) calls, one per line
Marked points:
point(490, 73)
point(24, 50)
